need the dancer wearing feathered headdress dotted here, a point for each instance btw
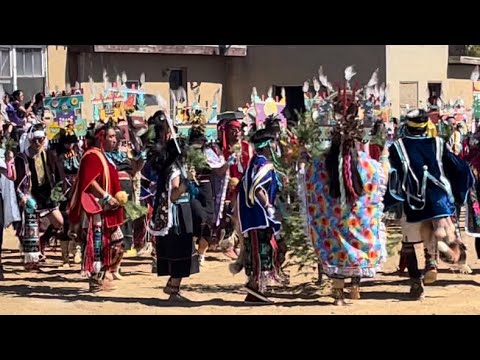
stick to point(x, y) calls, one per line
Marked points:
point(344, 191)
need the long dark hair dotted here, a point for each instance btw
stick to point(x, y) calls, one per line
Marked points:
point(345, 136)
point(160, 123)
point(156, 143)
point(169, 156)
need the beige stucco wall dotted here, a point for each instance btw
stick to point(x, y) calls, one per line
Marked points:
point(57, 66)
point(209, 71)
point(460, 88)
point(422, 63)
point(266, 65)
point(291, 65)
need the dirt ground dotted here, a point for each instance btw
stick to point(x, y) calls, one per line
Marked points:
point(216, 291)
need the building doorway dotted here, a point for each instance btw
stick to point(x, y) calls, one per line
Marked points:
point(295, 100)
point(434, 93)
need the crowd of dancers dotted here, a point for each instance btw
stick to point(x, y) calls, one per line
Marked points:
point(121, 191)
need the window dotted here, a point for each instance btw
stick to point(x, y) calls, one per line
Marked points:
point(30, 86)
point(29, 62)
point(7, 87)
point(5, 63)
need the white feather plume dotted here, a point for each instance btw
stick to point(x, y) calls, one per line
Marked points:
point(350, 72)
point(215, 95)
point(381, 92)
point(322, 77)
point(387, 94)
point(368, 92)
point(283, 93)
point(77, 85)
point(68, 89)
point(475, 74)
point(105, 80)
point(142, 79)
point(196, 94)
point(376, 91)
point(439, 103)
point(306, 87)
point(374, 79)
point(162, 103)
point(119, 81)
point(320, 72)
point(270, 92)
point(93, 90)
point(316, 84)
point(2, 92)
point(124, 77)
point(330, 86)
point(173, 97)
point(254, 92)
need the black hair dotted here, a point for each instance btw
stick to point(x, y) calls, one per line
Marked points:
point(419, 116)
point(160, 124)
point(344, 137)
point(262, 135)
point(272, 124)
point(39, 97)
point(16, 94)
point(197, 132)
point(377, 126)
point(167, 158)
point(63, 140)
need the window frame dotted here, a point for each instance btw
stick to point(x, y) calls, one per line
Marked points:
point(19, 51)
point(4, 79)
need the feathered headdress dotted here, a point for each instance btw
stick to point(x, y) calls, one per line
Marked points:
point(346, 103)
point(348, 130)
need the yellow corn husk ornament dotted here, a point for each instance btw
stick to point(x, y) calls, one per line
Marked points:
point(233, 182)
point(121, 197)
